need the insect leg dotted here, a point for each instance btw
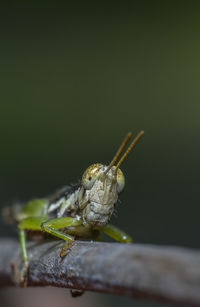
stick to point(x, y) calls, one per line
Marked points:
point(22, 238)
point(27, 224)
point(116, 233)
point(52, 226)
point(30, 223)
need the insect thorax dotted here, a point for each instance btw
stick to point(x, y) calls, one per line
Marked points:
point(95, 206)
point(66, 201)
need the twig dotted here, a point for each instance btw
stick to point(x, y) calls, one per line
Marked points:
point(170, 274)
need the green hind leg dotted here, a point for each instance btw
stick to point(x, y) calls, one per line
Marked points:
point(32, 223)
point(22, 237)
point(51, 226)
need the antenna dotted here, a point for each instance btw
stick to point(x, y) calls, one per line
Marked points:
point(119, 151)
point(130, 148)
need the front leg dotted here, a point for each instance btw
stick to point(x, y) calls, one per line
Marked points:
point(52, 226)
point(116, 233)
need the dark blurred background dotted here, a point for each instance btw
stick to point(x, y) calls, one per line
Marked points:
point(74, 80)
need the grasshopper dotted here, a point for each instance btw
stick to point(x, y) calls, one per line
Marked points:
point(82, 210)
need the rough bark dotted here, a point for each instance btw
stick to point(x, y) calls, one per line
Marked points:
point(166, 273)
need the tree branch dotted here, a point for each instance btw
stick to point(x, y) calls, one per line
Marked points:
point(170, 274)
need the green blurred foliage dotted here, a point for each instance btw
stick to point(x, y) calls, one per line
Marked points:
point(74, 79)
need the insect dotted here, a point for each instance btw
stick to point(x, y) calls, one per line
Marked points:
point(82, 210)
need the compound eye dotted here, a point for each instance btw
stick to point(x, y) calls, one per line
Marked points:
point(120, 180)
point(90, 175)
